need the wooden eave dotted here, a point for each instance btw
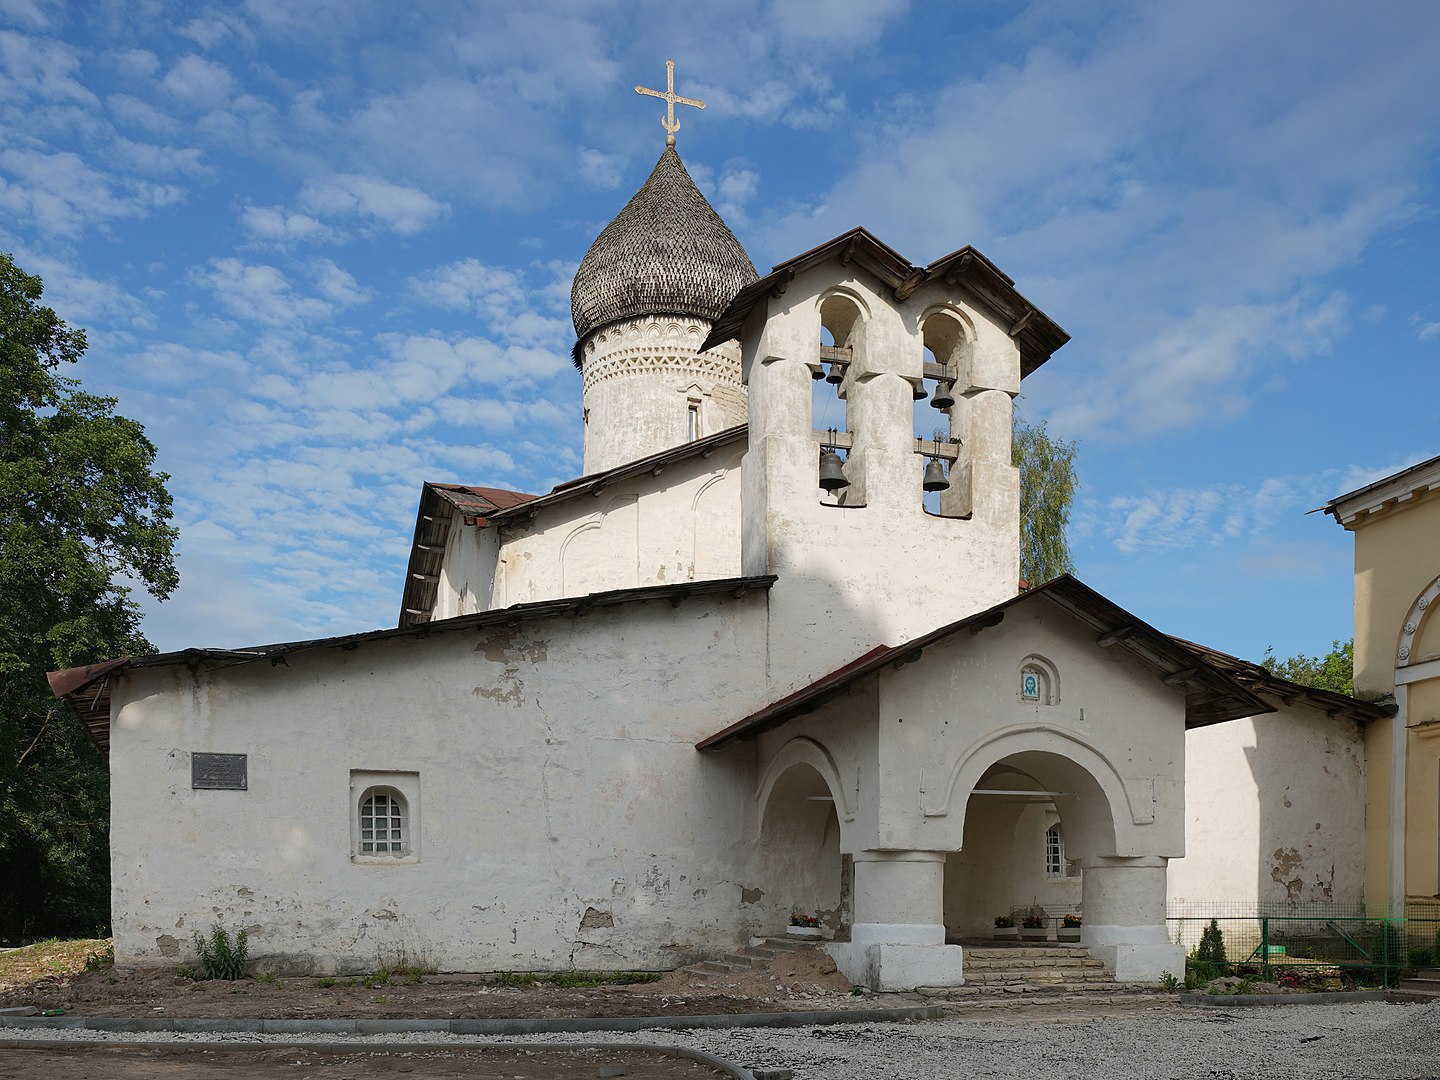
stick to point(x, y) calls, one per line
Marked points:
point(1399, 489)
point(1280, 691)
point(1036, 334)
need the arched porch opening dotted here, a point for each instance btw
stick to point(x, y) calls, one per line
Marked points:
point(1030, 819)
point(799, 849)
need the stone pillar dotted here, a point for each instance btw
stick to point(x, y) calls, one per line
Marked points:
point(897, 941)
point(1124, 904)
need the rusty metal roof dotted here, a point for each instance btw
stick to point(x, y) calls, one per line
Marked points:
point(1211, 694)
point(86, 689)
point(1037, 335)
point(439, 504)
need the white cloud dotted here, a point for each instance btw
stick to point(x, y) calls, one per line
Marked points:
point(599, 169)
point(61, 193)
point(260, 293)
point(406, 210)
point(835, 23)
point(137, 63)
point(1428, 330)
point(274, 225)
point(30, 14)
point(40, 69)
point(199, 83)
point(338, 286)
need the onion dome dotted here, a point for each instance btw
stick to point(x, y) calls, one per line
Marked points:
point(668, 252)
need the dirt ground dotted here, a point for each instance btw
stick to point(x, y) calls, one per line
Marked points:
point(805, 979)
point(256, 1063)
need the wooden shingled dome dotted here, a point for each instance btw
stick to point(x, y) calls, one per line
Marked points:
point(666, 252)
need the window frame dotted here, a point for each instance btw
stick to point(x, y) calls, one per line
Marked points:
point(403, 791)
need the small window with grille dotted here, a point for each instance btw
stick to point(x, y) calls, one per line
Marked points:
point(1054, 852)
point(382, 822)
point(384, 816)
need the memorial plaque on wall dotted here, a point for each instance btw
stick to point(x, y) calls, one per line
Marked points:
point(218, 772)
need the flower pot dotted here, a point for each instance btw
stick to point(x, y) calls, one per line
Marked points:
point(802, 931)
point(1068, 934)
point(1006, 933)
point(1039, 933)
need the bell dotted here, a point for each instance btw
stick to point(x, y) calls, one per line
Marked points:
point(943, 398)
point(918, 391)
point(832, 471)
point(836, 375)
point(816, 373)
point(935, 478)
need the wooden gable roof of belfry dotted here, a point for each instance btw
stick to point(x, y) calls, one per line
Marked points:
point(1211, 694)
point(1036, 334)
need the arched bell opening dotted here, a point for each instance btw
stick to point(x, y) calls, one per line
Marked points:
point(802, 869)
point(939, 411)
point(1029, 820)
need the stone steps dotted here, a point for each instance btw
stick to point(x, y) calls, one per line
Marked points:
point(750, 958)
point(1036, 974)
point(1038, 977)
point(1426, 982)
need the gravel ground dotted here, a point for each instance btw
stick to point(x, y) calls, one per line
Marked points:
point(1303, 1042)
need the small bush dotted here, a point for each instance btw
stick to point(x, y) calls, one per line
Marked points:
point(325, 983)
point(1169, 982)
point(1419, 957)
point(1211, 949)
point(1004, 922)
point(375, 981)
point(222, 955)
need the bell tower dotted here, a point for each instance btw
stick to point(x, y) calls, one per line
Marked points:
point(644, 300)
point(861, 558)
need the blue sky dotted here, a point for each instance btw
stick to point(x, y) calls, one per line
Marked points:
point(323, 252)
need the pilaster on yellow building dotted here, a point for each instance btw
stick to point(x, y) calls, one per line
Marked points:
point(1396, 522)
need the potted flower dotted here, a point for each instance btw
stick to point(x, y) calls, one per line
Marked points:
point(1005, 928)
point(803, 926)
point(1033, 928)
point(1069, 929)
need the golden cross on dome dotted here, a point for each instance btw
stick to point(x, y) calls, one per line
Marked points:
point(671, 99)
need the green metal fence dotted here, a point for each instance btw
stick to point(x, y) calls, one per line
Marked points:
point(1313, 940)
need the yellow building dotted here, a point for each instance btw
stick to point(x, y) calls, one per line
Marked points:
point(1396, 522)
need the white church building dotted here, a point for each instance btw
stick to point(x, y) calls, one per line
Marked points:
point(737, 670)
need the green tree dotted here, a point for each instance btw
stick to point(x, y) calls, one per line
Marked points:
point(81, 514)
point(1047, 492)
point(1334, 671)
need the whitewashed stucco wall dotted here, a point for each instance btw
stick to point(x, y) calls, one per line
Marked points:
point(681, 525)
point(1276, 812)
point(566, 818)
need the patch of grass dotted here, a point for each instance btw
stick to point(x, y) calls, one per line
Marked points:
point(375, 980)
point(406, 961)
point(101, 958)
point(269, 978)
point(51, 957)
point(325, 983)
